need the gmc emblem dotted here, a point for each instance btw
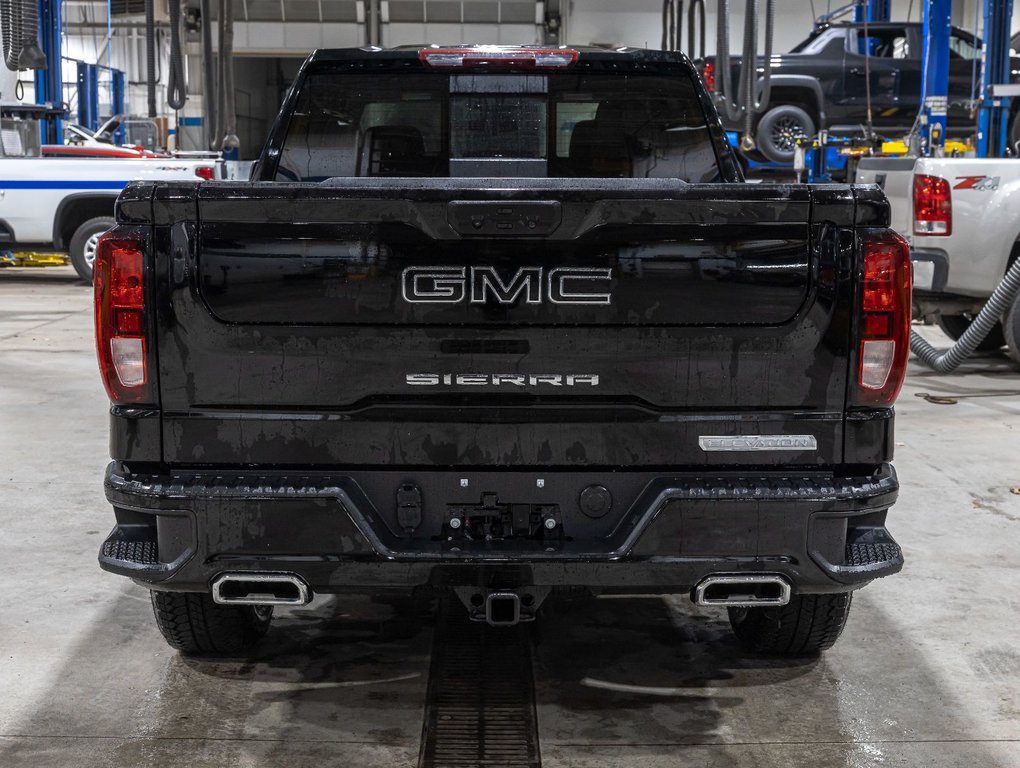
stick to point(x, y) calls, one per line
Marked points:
point(478, 285)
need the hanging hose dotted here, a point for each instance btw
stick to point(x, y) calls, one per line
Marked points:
point(209, 134)
point(671, 21)
point(150, 55)
point(867, 70)
point(999, 303)
point(667, 21)
point(228, 110)
point(731, 109)
point(752, 100)
point(19, 25)
point(678, 23)
point(696, 11)
point(176, 91)
point(748, 102)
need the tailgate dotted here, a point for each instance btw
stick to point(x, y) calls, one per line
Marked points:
point(464, 322)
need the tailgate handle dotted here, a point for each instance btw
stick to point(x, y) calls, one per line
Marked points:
point(532, 218)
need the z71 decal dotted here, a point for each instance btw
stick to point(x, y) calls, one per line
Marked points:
point(978, 183)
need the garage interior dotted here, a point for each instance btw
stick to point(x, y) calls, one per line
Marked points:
point(926, 673)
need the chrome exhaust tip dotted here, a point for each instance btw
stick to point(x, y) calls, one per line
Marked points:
point(752, 590)
point(260, 589)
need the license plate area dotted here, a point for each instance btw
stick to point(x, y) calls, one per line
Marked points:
point(493, 520)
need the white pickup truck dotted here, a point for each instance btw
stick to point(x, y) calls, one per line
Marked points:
point(67, 203)
point(961, 217)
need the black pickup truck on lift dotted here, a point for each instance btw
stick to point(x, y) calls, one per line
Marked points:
point(501, 321)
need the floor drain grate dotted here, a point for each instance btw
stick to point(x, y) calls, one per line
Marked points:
point(480, 711)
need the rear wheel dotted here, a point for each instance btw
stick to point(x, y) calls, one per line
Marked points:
point(807, 625)
point(196, 626)
point(780, 128)
point(955, 325)
point(83, 244)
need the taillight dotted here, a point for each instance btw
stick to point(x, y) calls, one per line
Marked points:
point(933, 206)
point(121, 345)
point(498, 57)
point(708, 75)
point(885, 318)
point(206, 172)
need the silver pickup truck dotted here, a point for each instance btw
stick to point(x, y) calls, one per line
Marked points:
point(961, 217)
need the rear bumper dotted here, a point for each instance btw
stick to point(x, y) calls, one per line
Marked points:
point(662, 533)
point(931, 269)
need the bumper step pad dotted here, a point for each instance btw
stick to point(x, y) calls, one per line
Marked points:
point(143, 553)
point(864, 553)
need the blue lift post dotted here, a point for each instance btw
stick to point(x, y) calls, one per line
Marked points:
point(88, 95)
point(993, 114)
point(117, 101)
point(49, 83)
point(935, 75)
point(873, 10)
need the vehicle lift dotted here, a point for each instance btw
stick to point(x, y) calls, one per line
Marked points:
point(49, 84)
point(994, 94)
point(993, 114)
point(88, 94)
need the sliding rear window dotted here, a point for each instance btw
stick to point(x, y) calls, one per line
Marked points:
point(561, 124)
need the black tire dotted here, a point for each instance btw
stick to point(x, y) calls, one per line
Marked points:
point(1011, 330)
point(82, 247)
point(779, 129)
point(954, 326)
point(807, 625)
point(196, 626)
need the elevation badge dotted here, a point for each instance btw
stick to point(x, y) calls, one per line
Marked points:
point(758, 443)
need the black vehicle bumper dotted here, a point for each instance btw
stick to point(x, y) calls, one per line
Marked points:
point(822, 532)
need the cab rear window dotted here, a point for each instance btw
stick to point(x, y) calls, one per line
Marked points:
point(501, 124)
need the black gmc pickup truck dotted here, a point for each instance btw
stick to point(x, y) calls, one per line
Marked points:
point(501, 321)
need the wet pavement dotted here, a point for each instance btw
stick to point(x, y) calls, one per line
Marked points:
point(926, 674)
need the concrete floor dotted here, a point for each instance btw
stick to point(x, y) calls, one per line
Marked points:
point(927, 673)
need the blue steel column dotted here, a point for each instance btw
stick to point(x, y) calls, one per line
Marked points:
point(994, 112)
point(117, 101)
point(88, 95)
point(935, 75)
point(873, 10)
point(49, 83)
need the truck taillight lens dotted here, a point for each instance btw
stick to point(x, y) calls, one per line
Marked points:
point(708, 75)
point(885, 318)
point(121, 321)
point(933, 206)
point(206, 172)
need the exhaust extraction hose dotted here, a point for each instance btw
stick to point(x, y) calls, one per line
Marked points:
point(755, 103)
point(696, 13)
point(150, 55)
point(1000, 302)
point(19, 27)
point(747, 102)
point(176, 92)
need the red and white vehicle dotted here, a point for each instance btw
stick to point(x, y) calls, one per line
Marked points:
point(63, 197)
point(961, 217)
